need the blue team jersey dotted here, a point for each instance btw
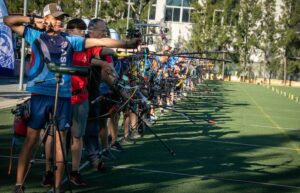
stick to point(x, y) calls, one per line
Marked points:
point(57, 49)
point(158, 61)
point(172, 61)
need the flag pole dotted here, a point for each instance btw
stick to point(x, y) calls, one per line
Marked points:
point(96, 9)
point(22, 65)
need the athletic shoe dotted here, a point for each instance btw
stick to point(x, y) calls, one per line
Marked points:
point(106, 154)
point(117, 147)
point(126, 141)
point(148, 122)
point(48, 179)
point(153, 117)
point(99, 166)
point(18, 189)
point(134, 134)
point(77, 179)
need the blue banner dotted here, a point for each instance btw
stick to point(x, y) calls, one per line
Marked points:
point(7, 58)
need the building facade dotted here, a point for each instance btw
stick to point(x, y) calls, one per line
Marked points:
point(176, 16)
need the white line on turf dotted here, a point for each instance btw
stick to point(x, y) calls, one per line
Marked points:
point(210, 177)
point(274, 123)
point(247, 144)
point(255, 125)
point(234, 143)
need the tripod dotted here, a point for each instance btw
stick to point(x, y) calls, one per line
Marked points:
point(51, 129)
point(55, 134)
point(141, 123)
point(59, 70)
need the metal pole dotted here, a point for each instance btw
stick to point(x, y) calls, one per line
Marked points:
point(223, 66)
point(99, 9)
point(96, 9)
point(147, 29)
point(284, 68)
point(128, 14)
point(21, 79)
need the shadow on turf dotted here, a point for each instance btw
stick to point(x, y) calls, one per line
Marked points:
point(212, 158)
point(199, 151)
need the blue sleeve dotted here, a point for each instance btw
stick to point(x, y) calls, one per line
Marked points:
point(78, 43)
point(31, 34)
point(118, 66)
point(165, 67)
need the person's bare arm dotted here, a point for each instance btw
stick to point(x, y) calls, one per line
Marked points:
point(16, 23)
point(107, 51)
point(111, 43)
point(98, 62)
point(108, 72)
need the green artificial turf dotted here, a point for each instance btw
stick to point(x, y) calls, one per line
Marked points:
point(252, 147)
point(286, 92)
point(292, 90)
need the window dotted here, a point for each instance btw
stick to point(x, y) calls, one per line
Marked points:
point(218, 17)
point(152, 11)
point(169, 14)
point(185, 15)
point(176, 14)
point(178, 10)
point(172, 14)
point(174, 2)
point(184, 3)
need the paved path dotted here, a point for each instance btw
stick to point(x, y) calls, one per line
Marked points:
point(9, 92)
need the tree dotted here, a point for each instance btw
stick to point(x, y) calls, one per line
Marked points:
point(225, 31)
point(202, 37)
point(216, 21)
point(268, 42)
point(288, 36)
point(246, 31)
point(115, 12)
point(138, 8)
point(293, 53)
point(35, 6)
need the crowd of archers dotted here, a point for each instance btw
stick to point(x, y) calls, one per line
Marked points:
point(136, 86)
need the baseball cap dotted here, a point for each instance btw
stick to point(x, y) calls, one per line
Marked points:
point(53, 9)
